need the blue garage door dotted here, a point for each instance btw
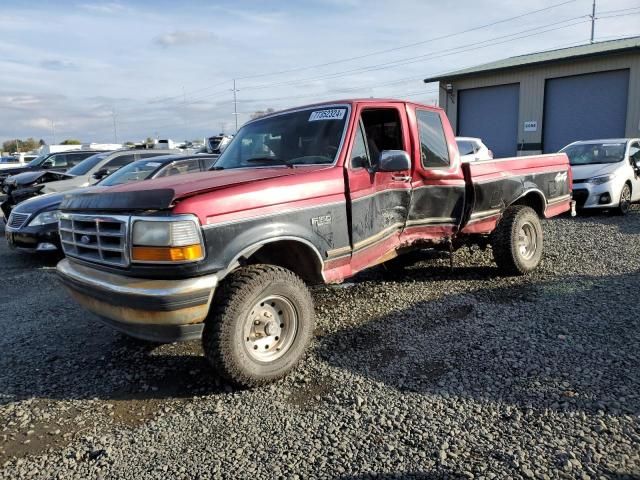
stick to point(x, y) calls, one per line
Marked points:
point(584, 107)
point(491, 113)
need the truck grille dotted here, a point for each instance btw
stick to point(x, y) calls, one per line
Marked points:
point(97, 239)
point(17, 220)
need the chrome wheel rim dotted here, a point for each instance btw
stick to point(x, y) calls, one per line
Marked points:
point(527, 241)
point(625, 198)
point(270, 328)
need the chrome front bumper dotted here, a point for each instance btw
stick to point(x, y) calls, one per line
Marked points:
point(156, 310)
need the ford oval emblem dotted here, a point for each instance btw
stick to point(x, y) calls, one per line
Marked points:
point(85, 239)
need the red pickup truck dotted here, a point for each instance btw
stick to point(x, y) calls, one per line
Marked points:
point(307, 195)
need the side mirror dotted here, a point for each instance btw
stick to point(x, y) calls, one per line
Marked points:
point(47, 165)
point(636, 162)
point(100, 174)
point(394, 161)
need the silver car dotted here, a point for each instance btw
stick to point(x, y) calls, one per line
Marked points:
point(606, 173)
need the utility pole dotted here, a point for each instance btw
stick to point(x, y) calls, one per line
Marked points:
point(115, 130)
point(53, 133)
point(235, 103)
point(184, 106)
point(593, 20)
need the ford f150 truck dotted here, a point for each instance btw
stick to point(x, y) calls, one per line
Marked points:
point(308, 195)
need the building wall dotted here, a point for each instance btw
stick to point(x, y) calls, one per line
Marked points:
point(532, 82)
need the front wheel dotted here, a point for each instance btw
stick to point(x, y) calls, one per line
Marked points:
point(625, 200)
point(517, 241)
point(261, 322)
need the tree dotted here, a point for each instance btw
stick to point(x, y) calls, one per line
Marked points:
point(129, 144)
point(17, 145)
point(261, 113)
point(149, 141)
point(71, 141)
point(41, 142)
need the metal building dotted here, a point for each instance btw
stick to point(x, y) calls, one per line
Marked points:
point(543, 101)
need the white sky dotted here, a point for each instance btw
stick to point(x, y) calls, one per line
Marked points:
point(166, 67)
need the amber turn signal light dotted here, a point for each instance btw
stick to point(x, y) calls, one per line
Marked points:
point(167, 254)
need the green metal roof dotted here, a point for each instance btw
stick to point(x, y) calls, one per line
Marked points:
point(559, 55)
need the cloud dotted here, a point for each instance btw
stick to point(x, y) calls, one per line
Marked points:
point(183, 37)
point(108, 8)
point(40, 122)
point(57, 64)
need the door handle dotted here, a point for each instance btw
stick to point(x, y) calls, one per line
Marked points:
point(401, 178)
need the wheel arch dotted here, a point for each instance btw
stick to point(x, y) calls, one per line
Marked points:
point(293, 253)
point(533, 198)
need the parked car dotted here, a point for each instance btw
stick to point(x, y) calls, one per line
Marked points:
point(33, 224)
point(29, 184)
point(9, 162)
point(55, 162)
point(313, 194)
point(606, 173)
point(473, 149)
point(218, 143)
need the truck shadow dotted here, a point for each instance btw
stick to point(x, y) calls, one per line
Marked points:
point(565, 344)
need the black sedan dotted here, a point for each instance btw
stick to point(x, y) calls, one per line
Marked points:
point(56, 162)
point(33, 224)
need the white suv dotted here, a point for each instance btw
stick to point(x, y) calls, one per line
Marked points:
point(473, 149)
point(606, 173)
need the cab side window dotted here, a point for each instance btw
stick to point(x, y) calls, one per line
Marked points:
point(118, 162)
point(178, 168)
point(359, 153)
point(434, 152)
point(57, 161)
point(383, 131)
point(634, 152)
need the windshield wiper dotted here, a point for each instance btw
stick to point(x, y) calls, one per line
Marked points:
point(275, 161)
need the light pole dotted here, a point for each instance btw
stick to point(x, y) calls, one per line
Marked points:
point(235, 103)
point(593, 20)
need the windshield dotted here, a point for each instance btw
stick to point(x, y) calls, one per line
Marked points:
point(140, 170)
point(87, 164)
point(306, 137)
point(37, 161)
point(594, 153)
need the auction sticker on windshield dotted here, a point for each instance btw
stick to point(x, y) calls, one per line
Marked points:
point(331, 114)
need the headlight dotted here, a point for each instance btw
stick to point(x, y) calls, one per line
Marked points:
point(602, 179)
point(166, 241)
point(45, 218)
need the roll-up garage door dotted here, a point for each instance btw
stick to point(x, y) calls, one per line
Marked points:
point(491, 113)
point(584, 107)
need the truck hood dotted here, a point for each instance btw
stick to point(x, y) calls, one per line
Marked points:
point(161, 193)
point(583, 172)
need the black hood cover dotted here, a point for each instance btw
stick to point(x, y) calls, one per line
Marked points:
point(119, 201)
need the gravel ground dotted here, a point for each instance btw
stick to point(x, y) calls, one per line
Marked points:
point(420, 374)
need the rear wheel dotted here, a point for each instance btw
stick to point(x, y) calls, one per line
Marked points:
point(261, 322)
point(625, 200)
point(517, 241)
